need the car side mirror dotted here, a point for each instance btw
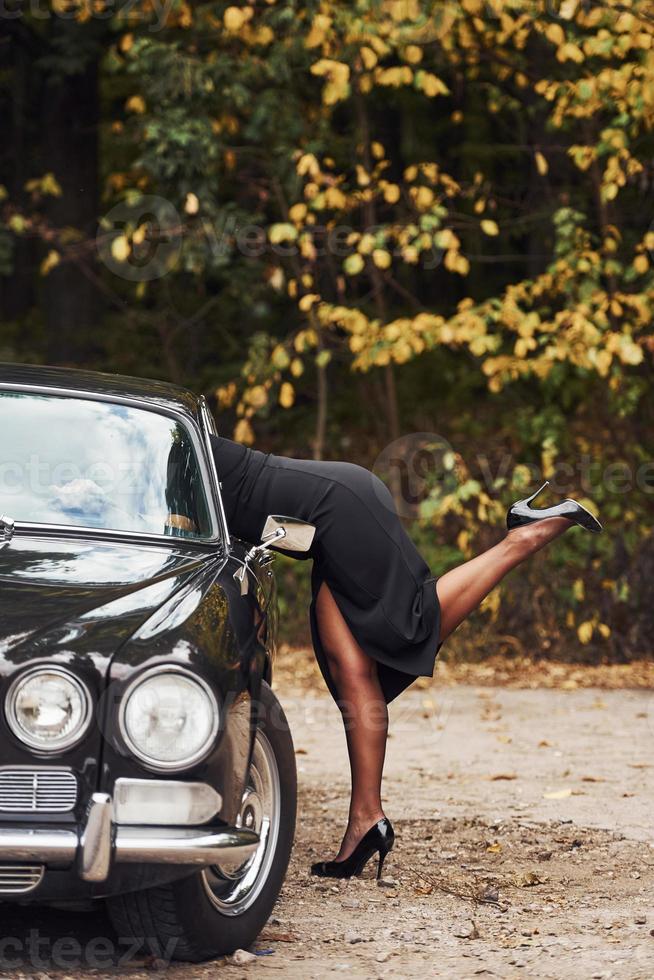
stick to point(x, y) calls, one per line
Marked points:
point(288, 533)
point(285, 533)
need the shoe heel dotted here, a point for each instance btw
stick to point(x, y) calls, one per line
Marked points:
point(540, 490)
point(380, 863)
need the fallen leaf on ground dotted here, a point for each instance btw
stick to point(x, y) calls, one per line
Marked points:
point(526, 879)
point(504, 775)
point(557, 794)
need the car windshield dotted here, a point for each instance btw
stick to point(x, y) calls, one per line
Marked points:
point(93, 464)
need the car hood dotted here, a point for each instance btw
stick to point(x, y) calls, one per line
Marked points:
point(61, 597)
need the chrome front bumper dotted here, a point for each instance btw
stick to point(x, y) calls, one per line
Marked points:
point(103, 842)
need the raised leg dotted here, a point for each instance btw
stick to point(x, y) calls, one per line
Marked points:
point(463, 588)
point(365, 717)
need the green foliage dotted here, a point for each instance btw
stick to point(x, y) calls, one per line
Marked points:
point(392, 215)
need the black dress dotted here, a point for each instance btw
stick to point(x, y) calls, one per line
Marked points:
point(378, 578)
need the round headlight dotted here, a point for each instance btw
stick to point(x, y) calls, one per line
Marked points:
point(169, 718)
point(48, 708)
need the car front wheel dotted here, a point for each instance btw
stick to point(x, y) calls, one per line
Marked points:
point(216, 911)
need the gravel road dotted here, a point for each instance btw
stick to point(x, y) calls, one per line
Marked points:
point(525, 846)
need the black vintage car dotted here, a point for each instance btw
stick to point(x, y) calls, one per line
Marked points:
point(144, 760)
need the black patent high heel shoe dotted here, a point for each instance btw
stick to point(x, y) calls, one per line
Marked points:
point(521, 513)
point(378, 840)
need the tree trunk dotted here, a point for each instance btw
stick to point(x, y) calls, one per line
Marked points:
point(70, 116)
point(17, 295)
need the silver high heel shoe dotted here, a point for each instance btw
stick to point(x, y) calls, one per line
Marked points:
point(521, 513)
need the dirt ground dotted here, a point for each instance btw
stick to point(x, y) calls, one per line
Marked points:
point(522, 802)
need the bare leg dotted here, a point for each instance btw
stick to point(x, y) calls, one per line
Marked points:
point(463, 588)
point(365, 717)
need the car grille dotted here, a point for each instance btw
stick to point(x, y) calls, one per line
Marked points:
point(37, 790)
point(16, 878)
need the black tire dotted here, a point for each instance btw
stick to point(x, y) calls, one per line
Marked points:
point(181, 921)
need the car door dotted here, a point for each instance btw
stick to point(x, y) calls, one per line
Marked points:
point(259, 574)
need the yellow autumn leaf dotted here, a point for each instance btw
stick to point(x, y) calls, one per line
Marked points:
point(226, 394)
point(243, 432)
point(286, 395)
point(277, 279)
point(338, 79)
point(423, 197)
point(319, 27)
point(446, 239)
point(308, 301)
point(282, 232)
point(363, 177)
point(368, 57)
point(381, 258)
point(641, 264)
point(413, 54)
point(136, 103)
point(308, 165)
point(120, 249)
point(235, 17)
point(489, 227)
point(541, 163)
point(280, 357)
point(139, 235)
point(391, 193)
point(298, 212)
point(353, 264)
point(629, 352)
point(585, 632)
point(395, 77)
point(257, 396)
point(49, 262)
point(568, 9)
point(431, 85)
point(555, 33)
point(191, 204)
point(603, 362)
point(335, 198)
point(297, 367)
point(570, 52)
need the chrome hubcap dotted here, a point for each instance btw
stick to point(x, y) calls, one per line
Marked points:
point(234, 891)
